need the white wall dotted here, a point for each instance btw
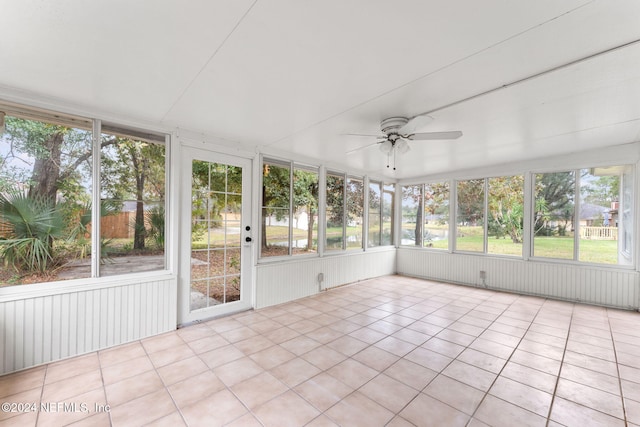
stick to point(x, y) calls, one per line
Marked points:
point(279, 282)
point(613, 287)
point(42, 323)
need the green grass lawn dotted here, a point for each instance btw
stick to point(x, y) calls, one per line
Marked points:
point(593, 251)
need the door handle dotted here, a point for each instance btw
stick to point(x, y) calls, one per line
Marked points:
point(247, 239)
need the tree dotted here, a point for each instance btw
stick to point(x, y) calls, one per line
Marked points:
point(276, 190)
point(413, 193)
point(305, 196)
point(133, 170)
point(471, 201)
point(34, 222)
point(602, 190)
point(506, 207)
point(554, 195)
point(58, 154)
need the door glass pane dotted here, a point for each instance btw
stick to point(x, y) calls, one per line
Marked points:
point(216, 231)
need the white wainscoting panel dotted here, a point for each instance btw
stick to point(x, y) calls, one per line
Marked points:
point(279, 282)
point(41, 329)
point(613, 287)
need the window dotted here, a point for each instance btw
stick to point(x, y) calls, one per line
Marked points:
point(375, 214)
point(334, 211)
point(505, 215)
point(412, 211)
point(344, 226)
point(582, 215)
point(132, 210)
point(470, 215)
point(436, 215)
point(381, 202)
point(425, 215)
point(47, 189)
point(289, 209)
point(355, 213)
point(388, 203)
point(553, 218)
point(604, 222)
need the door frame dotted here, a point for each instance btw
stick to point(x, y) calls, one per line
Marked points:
point(185, 315)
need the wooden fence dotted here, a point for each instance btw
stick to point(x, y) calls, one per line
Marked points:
point(116, 226)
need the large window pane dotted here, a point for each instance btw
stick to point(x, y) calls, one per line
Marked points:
point(554, 215)
point(305, 220)
point(470, 215)
point(505, 216)
point(605, 215)
point(355, 212)
point(45, 200)
point(412, 211)
point(335, 212)
point(132, 186)
point(276, 190)
point(388, 203)
point(436, 215)
point(375, 214)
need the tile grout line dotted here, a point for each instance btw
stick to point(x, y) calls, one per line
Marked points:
point(564, 352)
point(615, 355)
point(507, 360)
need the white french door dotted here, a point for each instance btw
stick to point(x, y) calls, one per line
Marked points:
point(215, 235)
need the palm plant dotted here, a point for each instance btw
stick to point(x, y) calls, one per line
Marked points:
point(80, 232)
point(34, 223)
point(156, 218)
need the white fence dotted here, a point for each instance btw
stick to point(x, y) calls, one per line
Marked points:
point(599, 233)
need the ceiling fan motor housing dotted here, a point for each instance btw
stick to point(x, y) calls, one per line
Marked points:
point(393, 124)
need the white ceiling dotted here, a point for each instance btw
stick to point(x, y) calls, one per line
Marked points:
point(291, 76)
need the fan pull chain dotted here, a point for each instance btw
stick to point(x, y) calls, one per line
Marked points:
point(394, 158)
point(388, 156)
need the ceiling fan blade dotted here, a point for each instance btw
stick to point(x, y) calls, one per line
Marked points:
point(363, 147)
point(415, 123)
point(365, 134)
point(455, 134)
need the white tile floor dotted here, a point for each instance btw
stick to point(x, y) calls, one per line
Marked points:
point(392, 351)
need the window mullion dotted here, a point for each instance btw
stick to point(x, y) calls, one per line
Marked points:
point(345, 215)
point(95, 199)
point(485, 216)
point(528, 216)
point(291, 197)
point(322, 210)
point(453, 215)
point(576, 216)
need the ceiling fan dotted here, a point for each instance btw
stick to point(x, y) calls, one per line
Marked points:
point(397, 131)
